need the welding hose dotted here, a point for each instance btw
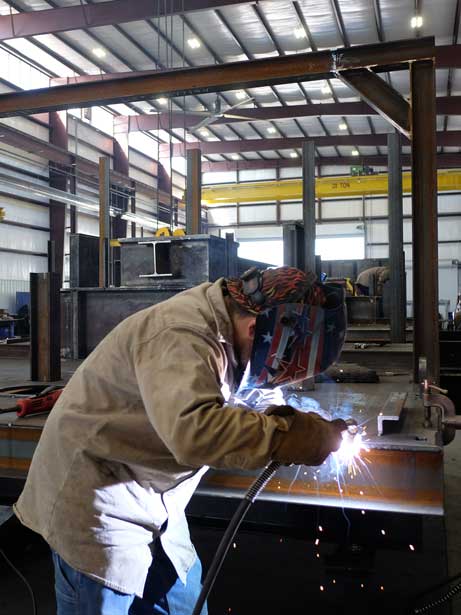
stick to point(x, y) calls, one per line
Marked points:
point(230, 532)
point(445, 597)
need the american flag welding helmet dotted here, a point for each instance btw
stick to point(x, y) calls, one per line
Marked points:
point(300, 327)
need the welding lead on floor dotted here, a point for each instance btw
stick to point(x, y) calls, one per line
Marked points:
point(145, 415)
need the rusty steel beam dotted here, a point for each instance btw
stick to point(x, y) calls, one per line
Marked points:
point(446, 105)
point(444, 161)
point(451, 138)
point(389, 103)
point(235, 75)
point(448, 56)
point(194, 193)
point(424, 207)
point(84, 16)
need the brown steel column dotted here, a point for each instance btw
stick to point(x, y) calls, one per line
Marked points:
point(194, 192)
point(104, 221)
point(424, 203)
point(121, 165)
point(58, 179)
point(309, 204)
point(395, 226)
point(45, 327)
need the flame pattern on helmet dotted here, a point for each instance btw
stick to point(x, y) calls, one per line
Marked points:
point(279, 285)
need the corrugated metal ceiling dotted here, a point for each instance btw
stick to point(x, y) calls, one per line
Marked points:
point(239, 32)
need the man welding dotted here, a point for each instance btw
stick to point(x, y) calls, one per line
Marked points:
point(144, 416)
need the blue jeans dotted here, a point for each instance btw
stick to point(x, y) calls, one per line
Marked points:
point(164, 593)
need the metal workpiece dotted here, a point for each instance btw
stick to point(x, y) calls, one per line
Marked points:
point(187, 260)
point(399, 470)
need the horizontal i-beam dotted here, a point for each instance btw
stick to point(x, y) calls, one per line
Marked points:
point(446, 105)
point(82, 15)
point(444, 161)
point(447, 138)
point(235, 75)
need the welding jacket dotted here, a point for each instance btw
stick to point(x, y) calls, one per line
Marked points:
point(132, 434)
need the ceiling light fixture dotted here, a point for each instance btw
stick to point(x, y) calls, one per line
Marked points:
point(194, 43)
point(299, 33)
point(162, 101)
point(271, 130)
point(342, 126)
point(235, 156)
point(416, 21)
point(294, 154)
point(241, 95)
point(326, 89)
point(355, 152)
point(99, 52)
point(204, 132)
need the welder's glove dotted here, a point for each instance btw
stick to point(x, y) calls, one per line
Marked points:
point(309, 440)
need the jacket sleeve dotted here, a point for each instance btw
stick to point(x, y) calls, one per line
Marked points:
point(178, 372)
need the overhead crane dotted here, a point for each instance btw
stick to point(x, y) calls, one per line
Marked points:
point(325, 187)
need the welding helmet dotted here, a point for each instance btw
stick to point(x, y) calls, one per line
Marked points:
point(300, 325)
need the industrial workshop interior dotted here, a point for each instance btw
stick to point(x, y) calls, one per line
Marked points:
point(230, 307)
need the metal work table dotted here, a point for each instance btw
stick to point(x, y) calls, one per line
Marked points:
point(401, 471)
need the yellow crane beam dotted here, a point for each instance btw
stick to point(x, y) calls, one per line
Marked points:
point(325, 187)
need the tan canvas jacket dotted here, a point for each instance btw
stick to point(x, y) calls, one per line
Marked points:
point(131, 435)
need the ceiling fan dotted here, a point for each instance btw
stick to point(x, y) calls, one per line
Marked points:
point(217, 112)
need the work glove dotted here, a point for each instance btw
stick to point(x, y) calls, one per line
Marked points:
point(310, 438)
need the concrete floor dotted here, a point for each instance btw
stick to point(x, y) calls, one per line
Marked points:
point(254, 547)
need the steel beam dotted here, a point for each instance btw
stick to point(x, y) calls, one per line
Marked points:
point(424, 207)
point(396, 253)
point(45, 327)
point(389, 103)
point(451, 137)
point(104, 222)
point(446, 105)
point(83, 16)
point(444, 161)
point(194, 193)
point(231, 76)
point(308, 167)
point(58, 180)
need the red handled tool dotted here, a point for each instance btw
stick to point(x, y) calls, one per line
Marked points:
point(34, 405)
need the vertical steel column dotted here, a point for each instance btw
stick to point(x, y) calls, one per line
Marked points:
point(104, 221)
point(45, 327)
point(194, 192)
point(73, 190)
point(424, 203)
point(58, 179)
point(395, 225)
point(133, 206)
point(309, 204)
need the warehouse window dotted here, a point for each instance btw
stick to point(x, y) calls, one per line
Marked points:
point(340, 248)
point(268, 251)
point(329, 248)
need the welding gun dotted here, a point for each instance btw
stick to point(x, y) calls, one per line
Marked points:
point(35, 405)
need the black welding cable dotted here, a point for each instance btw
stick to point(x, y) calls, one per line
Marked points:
point(448, 595)
point(23, 579)
point(230, 532)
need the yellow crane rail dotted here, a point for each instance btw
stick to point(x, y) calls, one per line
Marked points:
point(325, 187)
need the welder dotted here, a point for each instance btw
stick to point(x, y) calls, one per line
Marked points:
point(144, 416)
point(371, 281)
